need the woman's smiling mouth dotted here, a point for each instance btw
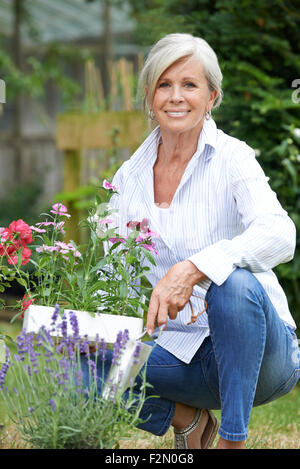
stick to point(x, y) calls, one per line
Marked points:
point(177, 113)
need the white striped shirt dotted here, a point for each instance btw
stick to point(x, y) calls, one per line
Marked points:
point(223, 215)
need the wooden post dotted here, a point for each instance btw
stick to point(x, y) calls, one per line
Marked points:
point(71, 178)
point(81, 131)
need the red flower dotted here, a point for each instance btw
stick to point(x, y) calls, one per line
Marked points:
point(26, 302)
point(26, 253)
point(22, 230)
point(7, 243)
point(17, 235)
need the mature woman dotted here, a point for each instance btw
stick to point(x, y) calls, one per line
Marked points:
point(221, 230)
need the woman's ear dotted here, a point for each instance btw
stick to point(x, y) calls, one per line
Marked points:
point(212, 98)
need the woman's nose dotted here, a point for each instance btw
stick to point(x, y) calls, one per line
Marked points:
point(176, 95)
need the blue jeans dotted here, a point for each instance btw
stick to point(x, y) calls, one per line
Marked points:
point(250, 358)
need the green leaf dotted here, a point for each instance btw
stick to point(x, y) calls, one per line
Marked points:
point(149, 256)
point(123, 289)
point(22, 282)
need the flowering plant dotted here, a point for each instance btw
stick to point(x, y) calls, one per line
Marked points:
point(51, 390)
point(86, 277)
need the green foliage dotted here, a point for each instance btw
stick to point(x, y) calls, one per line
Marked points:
point(258, 45)
point(21, 202)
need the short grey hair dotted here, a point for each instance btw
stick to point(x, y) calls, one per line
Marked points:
point(169, 50)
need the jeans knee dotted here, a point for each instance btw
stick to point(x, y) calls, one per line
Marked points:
point(239, 282)
point(240, 292)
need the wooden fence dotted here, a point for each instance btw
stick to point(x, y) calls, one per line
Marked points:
point(77, 132)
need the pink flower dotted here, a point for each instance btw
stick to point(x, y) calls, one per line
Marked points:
point(149, 247)
point(60, 247)
point(60, 209)
point(45, 248)
point(116, 240)
point(60, 227)
point(46, 223)
point(134, 225)
point(38, 230)
point(105, 221)
point(108, 185)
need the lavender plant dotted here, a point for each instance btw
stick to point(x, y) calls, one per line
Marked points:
point(48, 400)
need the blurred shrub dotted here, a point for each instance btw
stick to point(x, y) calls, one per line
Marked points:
point(258, 47)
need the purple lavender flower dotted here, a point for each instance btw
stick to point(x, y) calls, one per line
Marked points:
point(64, 326)
point(92, 366)
point(55, 315)
point(125, 338)
point(85, 346)
point(120, 345)
point(3, 372)
point(117, 349)
point(64, 364)
point(78, 378)
point(136, 353)
point(74, 324)
point(52, 405)
point(103, 349)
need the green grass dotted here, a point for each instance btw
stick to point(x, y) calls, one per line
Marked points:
point(273, 426)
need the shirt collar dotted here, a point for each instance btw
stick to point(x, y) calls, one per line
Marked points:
point(208, 136)
point(146, 154)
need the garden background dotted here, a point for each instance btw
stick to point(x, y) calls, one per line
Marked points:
point(71, 67)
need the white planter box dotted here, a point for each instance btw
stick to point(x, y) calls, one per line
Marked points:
point(106, 326)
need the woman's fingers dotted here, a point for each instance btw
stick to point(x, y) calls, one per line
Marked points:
point(152, 313)
point(172, 293)
point(158, 313)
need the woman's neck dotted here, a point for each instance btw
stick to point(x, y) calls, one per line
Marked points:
point(179, 147)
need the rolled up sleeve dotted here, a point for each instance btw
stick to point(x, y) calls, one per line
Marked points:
point(269, 235)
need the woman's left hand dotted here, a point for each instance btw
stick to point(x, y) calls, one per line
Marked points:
point(172, 293)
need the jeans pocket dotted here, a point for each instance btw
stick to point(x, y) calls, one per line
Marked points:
point(284, 388)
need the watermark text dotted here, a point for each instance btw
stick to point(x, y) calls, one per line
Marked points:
point(2, 91)
point(296, 93)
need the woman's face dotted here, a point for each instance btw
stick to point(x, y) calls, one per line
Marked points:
point(182, 97)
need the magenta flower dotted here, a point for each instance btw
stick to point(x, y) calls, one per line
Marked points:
point(60, 209)
point(108, 185)
point(149, 247)
point(116, 240)
point(38, 230)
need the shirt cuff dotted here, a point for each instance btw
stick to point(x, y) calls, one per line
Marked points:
point(214, 263)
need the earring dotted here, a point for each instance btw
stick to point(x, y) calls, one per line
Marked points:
point(151, 115)
point(208, 115)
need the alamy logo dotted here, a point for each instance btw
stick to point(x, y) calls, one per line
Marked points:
point(296, 93)
point(2, 92)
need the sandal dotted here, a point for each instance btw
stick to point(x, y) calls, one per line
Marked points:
point(208, 435)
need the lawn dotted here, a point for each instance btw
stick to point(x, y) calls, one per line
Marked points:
point(273, 426)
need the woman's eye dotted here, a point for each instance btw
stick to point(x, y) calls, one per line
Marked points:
point(189, 84)
point(163, 85)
